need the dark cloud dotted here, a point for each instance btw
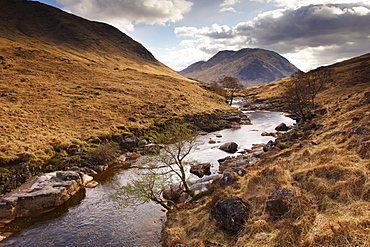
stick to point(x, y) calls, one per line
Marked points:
point(323, 33)
point(311, 26)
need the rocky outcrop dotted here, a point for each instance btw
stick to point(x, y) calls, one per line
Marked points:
point(48, 190)
point(231, 213)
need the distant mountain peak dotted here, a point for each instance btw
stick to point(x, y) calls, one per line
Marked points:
point(251, 66)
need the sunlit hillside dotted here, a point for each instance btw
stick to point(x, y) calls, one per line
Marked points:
point(325, 163)
point(64, 77)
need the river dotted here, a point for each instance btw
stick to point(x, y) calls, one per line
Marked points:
point(92, 219)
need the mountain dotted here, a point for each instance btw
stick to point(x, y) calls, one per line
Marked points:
point(250, 66)
point(64, 77)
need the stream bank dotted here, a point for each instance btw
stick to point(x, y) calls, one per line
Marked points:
point(94, 221)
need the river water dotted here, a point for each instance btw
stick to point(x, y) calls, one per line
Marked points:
point(92, 219)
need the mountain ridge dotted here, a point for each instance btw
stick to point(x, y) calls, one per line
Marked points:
point(65, 77)
point(251, 66)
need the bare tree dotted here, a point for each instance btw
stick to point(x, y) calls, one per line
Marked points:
point(300, 95)
point(147, 186)
point(179, 140)
point(232, 86)
point(182, 140)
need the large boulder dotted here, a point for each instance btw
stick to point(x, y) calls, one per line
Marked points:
point(48, 191)
point(231, 213)
point(201, 169)
point(230, 147)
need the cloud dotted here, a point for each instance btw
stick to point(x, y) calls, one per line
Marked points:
point(335, 30)
point(300, 3)
point(229, 3)
point(227, 9)
point(125, 13)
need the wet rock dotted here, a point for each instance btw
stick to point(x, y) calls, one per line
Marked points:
point(68, 175)
point(230, 147)
point(242, 163)
point(228, 177)
point(278, 203)
point(48, 190)
point(231, 118)
point(268, 146)
point(201, 169)
point(174, 192)
point(211, 141)
point(231, 213)
point(282, 127)
point(129, 144)
point(152, 148)
point(257, 153)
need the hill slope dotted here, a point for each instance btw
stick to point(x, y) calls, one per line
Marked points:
point(324, 163)
point(250, 66)
point(66, 77)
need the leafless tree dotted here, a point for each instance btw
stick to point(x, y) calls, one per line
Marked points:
point(232, 86)
point(300, 95)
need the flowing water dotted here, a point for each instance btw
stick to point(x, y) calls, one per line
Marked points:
point(92, 219)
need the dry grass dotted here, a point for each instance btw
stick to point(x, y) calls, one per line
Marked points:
point(45, 99)
point(330, 180)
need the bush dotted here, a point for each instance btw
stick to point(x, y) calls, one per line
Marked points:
point(104, 154)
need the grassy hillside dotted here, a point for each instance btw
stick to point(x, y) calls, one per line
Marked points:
point(327, 167)
point(63, 77)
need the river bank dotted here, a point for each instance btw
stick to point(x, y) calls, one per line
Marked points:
point(104, 204)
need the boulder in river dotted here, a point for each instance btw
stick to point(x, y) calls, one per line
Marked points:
point(230, 147)
point(201, 169)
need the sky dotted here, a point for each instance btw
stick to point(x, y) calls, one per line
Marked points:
point(309, 33)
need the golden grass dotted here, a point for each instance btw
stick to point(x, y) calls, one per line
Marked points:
point(330, 181)
point(50, 94)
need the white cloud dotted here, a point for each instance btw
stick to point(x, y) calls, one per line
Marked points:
point(309, 36)
point(124, 13)
point(227, 9)
point(229, 3)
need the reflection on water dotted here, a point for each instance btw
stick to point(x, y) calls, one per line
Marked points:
point(95, 221)
point(245, 136)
